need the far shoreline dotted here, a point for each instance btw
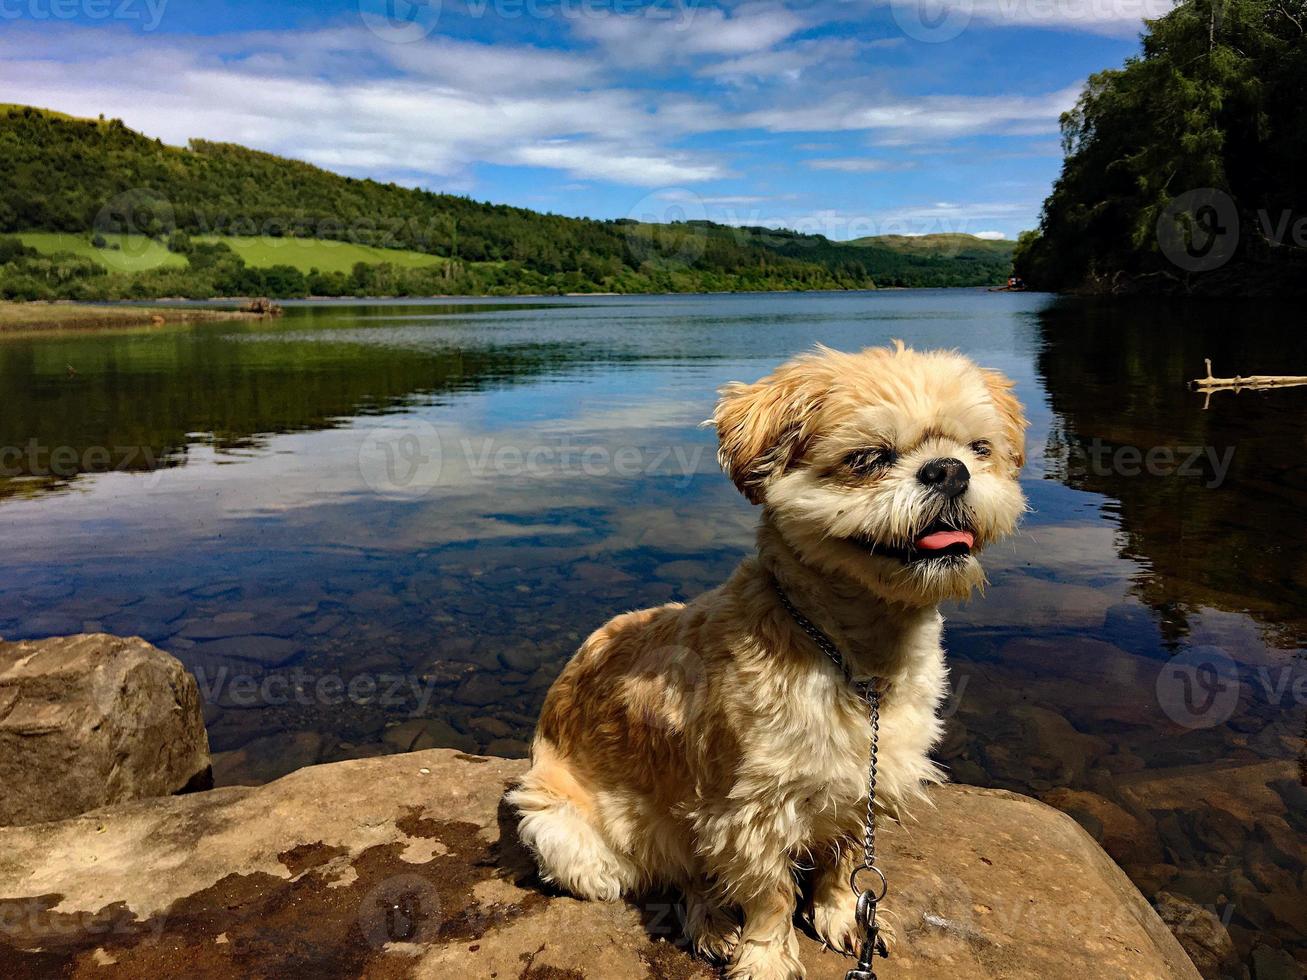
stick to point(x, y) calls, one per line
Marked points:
point(66, 315)
point(49, 316)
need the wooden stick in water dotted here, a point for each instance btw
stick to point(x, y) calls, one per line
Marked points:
point(1211, 383)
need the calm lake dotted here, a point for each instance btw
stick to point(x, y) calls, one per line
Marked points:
point(375, 527)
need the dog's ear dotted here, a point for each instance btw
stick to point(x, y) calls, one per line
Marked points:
point(1009, 410)
point(763, 427)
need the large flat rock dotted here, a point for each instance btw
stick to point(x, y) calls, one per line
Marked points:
point(90, 720)
point(407, 866)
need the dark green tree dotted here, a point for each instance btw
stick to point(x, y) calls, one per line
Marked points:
point(1197, 142)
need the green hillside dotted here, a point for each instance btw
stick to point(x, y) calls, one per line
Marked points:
point(940, 260)
point(946, 245)
point(225, 220)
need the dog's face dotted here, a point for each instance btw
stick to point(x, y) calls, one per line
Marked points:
point(891, 467)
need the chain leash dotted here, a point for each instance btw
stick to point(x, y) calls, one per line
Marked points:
point(867, 880)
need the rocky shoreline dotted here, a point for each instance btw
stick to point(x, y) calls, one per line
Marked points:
point(408, 865)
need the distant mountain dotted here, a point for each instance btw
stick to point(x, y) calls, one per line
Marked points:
point(946, 245)
point(99, 178)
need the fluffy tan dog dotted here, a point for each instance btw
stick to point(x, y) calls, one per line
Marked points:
point(711, 746)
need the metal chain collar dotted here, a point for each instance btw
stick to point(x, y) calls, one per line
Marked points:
point(869, 897)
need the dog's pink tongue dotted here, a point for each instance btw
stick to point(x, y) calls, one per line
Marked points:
point(940, 540)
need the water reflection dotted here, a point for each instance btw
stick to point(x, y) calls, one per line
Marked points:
point(1210, 499)
point(1203, 802)
point(142, 400)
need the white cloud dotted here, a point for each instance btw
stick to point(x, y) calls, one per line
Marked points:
point(428, 112)
point(923, 117)
point(953, 217)
point(468, 103)
point(942, 217)
point(612, 163)
point(489, 67)
point(786, 64)
point(1113, 17)
point(991, 236)
point(854, 165)
point(679, 195)
point(648, 38)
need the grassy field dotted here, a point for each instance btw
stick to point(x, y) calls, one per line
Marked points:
point(137, 253)
point(25, 317)
point(306, 254)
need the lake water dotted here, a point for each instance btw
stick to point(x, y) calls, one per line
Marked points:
point(370, 528)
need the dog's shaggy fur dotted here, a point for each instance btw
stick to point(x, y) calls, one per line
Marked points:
point(711, 747)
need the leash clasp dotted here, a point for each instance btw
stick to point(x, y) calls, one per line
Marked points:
point(872, 947)
point(869, 899)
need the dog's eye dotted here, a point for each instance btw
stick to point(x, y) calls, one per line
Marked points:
point(865, 462)
point(982, 448)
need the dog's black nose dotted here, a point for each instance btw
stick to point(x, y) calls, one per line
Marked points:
point(948, 476)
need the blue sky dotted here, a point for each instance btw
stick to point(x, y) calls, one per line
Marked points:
point(843, 117)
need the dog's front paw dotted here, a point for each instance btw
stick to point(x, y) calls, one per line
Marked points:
point(755, 960)
point(836, 923)
point(713, 930)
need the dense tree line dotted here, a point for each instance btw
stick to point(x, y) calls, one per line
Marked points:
point(1184, 169)
point(97, 176)
point(213, 270)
